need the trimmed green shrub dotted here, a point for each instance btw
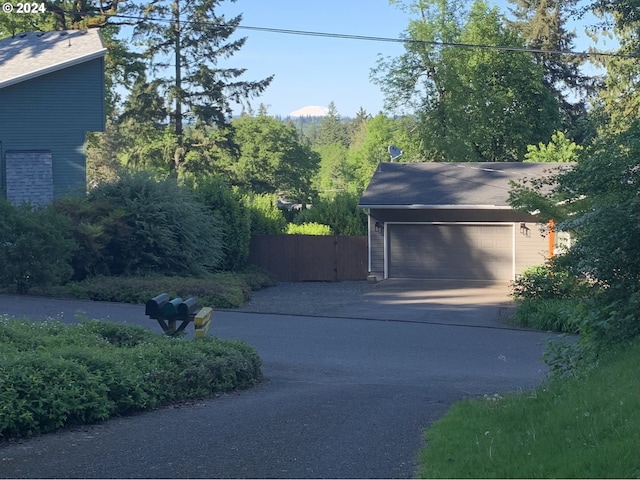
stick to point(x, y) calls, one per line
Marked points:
point(170, 232)
point(257, 278)
point(266, 218)
point(220, 290)
point(341, 213)
point(76, 374)
point(101, 231)
point(114, 334)
point(35, 247)
point(308, 229)
point(42, 392)
point(233, 217)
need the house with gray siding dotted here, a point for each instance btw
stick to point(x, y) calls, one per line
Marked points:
point(52, 93)
point(452, 221)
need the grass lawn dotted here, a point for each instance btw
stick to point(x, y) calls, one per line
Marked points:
point(576, 427)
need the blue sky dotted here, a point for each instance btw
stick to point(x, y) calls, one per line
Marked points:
point(317, 70)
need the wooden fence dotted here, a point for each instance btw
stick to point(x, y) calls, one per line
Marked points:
point(303, 258)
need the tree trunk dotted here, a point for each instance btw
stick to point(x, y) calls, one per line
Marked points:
point(179, 152)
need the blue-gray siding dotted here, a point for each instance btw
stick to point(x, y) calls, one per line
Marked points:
point(54, 112)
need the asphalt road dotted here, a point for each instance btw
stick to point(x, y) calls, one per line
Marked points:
point(345, 398)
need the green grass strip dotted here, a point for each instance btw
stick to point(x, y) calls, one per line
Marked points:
point(576, 427)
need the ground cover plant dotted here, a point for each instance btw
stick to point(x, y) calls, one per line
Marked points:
point(219, 290)
point(549, 314)
point(581, 426)
point(54, 375)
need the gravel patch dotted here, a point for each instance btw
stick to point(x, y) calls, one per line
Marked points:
point(306, 298)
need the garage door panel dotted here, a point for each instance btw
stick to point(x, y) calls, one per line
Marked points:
point(469, 252)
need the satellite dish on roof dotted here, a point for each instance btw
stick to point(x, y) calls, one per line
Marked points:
point(394, 152)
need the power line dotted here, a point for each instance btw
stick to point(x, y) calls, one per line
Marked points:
point(345, 36)
point(432, 43)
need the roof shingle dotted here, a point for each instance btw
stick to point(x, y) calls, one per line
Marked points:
point(29, 55)
point(448, 185)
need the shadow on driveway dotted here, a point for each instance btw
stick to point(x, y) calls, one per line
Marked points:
point(482, 304)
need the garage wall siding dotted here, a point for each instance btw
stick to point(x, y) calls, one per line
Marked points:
point(532, 247)
point(376, 246)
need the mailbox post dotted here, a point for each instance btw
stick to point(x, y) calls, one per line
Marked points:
point(169, 312)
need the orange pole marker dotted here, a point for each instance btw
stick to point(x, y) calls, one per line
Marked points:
point(552, 237)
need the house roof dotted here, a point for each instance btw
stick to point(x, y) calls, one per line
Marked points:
point(448, 185)
point(30, 55)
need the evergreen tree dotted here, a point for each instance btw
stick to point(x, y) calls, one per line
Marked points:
point(60, 15)
point(599, 195)
point(332, 129)
point(191, 46)
point(357, 126)
point(542, 25)
point(618, 106)
point(145, 104)
point(333, 173)
point(102, 155)
point(559, 150)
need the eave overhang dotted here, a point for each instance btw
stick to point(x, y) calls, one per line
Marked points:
point(436, 207)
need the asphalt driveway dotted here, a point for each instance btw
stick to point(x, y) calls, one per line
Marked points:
point(471, 303)
point(346, 396)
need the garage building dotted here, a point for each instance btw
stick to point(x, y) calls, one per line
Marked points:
point(451, 221)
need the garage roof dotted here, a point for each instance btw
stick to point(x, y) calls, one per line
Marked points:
point(30, 55)
point(448, 185)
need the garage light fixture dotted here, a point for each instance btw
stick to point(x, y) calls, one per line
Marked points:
point(524, 230)
point(379, 227)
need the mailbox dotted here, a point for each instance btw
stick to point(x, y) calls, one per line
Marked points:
point(153, 307)
point(187, 309)
point(170, 309)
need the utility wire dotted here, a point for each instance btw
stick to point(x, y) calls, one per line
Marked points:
point(383, 39)
point(432, 43)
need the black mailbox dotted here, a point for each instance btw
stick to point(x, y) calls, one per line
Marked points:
point(187, 308)
point(170, 309)
point(154, 307)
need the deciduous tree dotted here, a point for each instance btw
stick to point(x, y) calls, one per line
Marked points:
point(473, 104)
point(272, 158)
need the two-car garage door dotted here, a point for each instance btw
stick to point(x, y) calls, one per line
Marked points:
point(450, 251)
